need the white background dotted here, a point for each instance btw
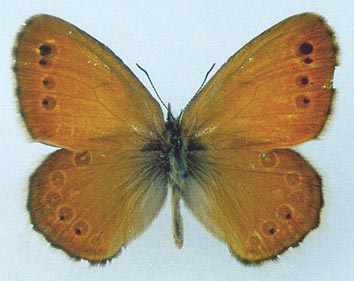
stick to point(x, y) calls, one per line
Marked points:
point(177, 42)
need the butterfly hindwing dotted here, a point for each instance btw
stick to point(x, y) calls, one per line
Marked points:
point(260, 202)
point(92, 204)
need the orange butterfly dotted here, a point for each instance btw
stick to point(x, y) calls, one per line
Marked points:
point(226, 155)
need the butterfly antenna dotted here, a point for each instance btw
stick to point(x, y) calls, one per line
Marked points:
point(206, 77)
point(152, 85)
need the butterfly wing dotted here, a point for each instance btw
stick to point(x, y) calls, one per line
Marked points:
point(260, 202)
point(274, 92)
point(91, 204)
point(75, 93)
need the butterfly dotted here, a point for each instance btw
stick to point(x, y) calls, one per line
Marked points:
point(226, 156)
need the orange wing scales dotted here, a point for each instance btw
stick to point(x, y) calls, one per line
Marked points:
point(68, 189)
point(226, 156)
point(276, 91)
point(78, 91)
point(258, 202)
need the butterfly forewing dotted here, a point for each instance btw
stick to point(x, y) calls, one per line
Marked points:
point(75, 93)
point(276, 91)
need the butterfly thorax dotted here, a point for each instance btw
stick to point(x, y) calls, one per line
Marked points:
point(172, 149)
point(177, 158)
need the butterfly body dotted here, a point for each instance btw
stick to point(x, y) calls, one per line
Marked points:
point(226, 155)
point(175, 160)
